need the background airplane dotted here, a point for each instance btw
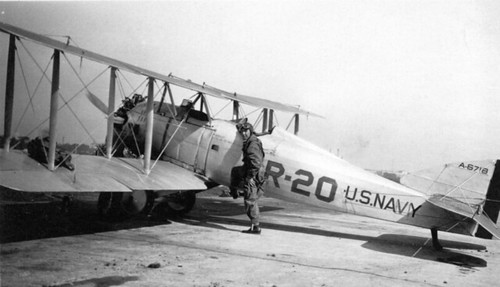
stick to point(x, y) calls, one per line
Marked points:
point(183, 150)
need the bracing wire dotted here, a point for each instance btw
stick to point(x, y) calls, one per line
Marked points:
point(289, 123)
point(434, 181)
point(209, 108)
point(259, 118)
point(171, 138)
point(66, 103)
point(31, 98)
point(73, 151)
point(123, 94)
point(134, 90)
point(169, 107)
point(276, 118)
point(120, 142)
point(216, 114)
point(459, 187)
point(126, 80)
point(35, 61)
point(25, 82)
point(429, 239)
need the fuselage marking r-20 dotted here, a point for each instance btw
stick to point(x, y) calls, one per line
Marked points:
point(325, 189)
point(297, 171)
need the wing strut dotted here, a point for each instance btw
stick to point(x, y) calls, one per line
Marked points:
point(111, 110)
point(54, 97)
point(187, 84)
point(296, 129)
point(264, 120)
point(162, 97)
point(271, 119)
point(9, 91)
point(236, 110)
point(149, 126)
point(167, 86)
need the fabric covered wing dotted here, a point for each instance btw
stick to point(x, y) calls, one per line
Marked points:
point(92, 174)
point(253, 101)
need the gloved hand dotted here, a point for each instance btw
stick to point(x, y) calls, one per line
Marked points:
point(251, 181)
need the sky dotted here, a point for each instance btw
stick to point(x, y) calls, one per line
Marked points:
point(402, 85)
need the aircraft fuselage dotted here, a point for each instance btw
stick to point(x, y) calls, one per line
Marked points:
point(297, 171)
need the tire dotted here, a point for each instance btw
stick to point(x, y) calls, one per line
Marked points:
point(178, 204)
point(136, 202)
point(119, 205)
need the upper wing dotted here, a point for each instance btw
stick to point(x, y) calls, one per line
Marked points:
point(46, 41)
point(92, 174)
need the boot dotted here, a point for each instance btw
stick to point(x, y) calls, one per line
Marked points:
point(254, 229)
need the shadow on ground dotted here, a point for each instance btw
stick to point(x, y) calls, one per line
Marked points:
point(420, 247)
point(29, 216)
point(38, 217)
point(43, 219)
point(212, 215)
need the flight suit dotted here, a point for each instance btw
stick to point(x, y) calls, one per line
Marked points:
point(253, 157)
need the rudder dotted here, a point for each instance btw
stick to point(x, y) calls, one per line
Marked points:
point(492, 205)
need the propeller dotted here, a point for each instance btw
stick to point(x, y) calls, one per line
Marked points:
point(97, 103)
point(119, 117)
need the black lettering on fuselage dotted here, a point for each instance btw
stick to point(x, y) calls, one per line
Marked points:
point(384, 202)
point(390, 204)
point(353, 195)
point(274, 170)
point(365, 197)
point(379, 201)
point(402, 209)
point(414, 209)
point(306, 181)
point(332, 191)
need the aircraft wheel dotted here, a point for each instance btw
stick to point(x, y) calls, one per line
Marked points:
point(179, 203)
point(116, 205)
point(136, 202)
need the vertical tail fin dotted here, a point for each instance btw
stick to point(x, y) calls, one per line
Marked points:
point(492, 204)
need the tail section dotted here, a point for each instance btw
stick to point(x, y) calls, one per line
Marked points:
point(471, 189)
point(492, 205)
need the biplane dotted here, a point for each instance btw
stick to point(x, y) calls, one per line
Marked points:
point(157, 151)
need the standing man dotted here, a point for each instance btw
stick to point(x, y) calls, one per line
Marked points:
point(248, 176)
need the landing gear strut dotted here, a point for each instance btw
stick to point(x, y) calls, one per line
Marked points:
point(435, 241)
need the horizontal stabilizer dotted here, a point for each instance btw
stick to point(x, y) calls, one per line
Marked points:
point(454, 205)
point(92, 174)
point(473, 211)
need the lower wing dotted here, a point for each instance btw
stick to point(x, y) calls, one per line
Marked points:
point(93, 174)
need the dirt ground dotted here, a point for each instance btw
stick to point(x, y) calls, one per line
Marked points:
point(299, 246)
